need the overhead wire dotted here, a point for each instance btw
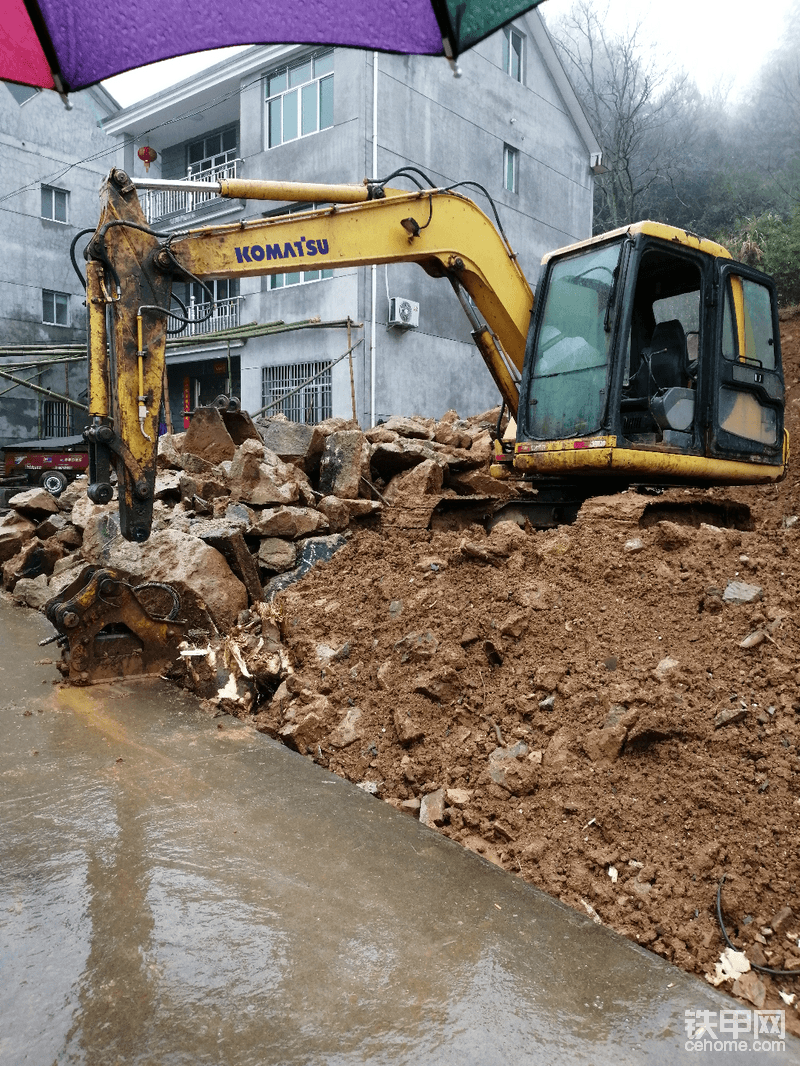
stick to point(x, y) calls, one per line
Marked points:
point(114, 148)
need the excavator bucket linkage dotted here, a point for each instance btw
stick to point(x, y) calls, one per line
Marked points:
point(106, 631)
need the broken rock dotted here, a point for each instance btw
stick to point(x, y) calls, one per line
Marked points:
point(293, 442)
point(311, 551)
point(738, 592)
point(415, 428)
point(417, 646)
point(277, 554)
point(751, 988)
point(341, 464)
point(347, 731)
point(509, 769)
point(603, 746)
point(671, 537)
point(15, 531)
point(35, 504)
point(198, 572)
point(440, 685)
point(431, 811)
point(407, 729)
point(730, 716)
point(33, 592)
point(289, 522)
point(336, 511)
point(425, 479)
point(260, 483)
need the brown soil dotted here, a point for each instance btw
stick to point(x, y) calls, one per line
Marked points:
point(626, 796)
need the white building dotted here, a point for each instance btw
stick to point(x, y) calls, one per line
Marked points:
point(52, 162)
point(511, 123)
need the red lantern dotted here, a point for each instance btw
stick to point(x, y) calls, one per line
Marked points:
point(147, 155)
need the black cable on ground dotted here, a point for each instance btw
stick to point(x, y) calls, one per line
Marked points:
point(753, 965)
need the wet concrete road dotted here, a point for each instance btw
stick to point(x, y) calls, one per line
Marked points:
point(178, 889)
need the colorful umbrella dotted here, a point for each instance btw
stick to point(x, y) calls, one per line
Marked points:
point(69, 44)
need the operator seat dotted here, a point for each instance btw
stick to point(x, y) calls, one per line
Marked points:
point(664, 363)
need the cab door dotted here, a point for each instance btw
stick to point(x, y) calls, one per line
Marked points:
point(748, 389)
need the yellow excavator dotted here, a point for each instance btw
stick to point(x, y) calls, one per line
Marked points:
point(649, 356)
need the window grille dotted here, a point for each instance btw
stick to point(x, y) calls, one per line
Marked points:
point(303, 389)
point(56, 420)
point(300, 98)
point(54, 203)
point(197, 300)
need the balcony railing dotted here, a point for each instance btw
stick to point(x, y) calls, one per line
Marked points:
point(160, 203)
point(224, 316)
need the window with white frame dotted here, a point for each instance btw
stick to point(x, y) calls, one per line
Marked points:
point(513, 53)
point(300, 98)
point(56, 420)
point(54, 203)
point(55, 308)
point(213, 150)
point(301, 391)
point(298, 277)
point(222, 289)
point(510, 168)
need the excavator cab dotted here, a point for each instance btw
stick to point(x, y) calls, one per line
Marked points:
point(653, 358)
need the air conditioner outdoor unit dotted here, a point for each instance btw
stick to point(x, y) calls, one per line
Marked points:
point(403, 313)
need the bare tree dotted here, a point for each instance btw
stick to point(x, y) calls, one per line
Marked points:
point(643, 115)
point(773, 114)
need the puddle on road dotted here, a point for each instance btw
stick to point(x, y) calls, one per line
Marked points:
point(169, 897)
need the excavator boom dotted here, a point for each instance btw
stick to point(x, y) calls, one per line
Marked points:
point(129, 286)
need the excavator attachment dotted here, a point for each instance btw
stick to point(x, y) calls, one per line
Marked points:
point(107, 631)
point(219, 428)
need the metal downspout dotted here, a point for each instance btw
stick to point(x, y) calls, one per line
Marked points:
point(374, 269)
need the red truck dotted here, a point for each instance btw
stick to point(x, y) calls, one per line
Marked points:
point(51, 463)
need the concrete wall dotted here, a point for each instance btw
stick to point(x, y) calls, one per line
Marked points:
point(43, 143)
point(453, 130)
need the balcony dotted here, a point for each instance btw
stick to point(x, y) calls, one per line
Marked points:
point(224, 316)
point(158, 204)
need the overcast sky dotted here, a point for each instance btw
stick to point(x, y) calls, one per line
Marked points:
point(712, 39)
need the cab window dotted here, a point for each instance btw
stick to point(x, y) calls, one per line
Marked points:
point(747, 331)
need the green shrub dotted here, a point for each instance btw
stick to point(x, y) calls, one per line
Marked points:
point(772, 244)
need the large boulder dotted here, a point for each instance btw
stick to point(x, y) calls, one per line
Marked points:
point(15, 531)
point(289, 522)
point(199, 573)
point(415, 427)
point(293, 442)
point(342, 464)
point(260, 478)
point(34, 503)
point(425, 479)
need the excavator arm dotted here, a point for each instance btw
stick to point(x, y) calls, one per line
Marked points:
point(131, 270)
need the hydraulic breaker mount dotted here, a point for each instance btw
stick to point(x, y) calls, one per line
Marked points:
point(106, 631)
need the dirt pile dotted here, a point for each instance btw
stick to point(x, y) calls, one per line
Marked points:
point(608, 709)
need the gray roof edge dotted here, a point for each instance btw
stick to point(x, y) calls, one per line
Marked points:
point(555, 68)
